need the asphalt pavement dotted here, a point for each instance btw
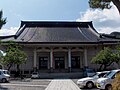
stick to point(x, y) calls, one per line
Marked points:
point(30, 84)
point(42, 84)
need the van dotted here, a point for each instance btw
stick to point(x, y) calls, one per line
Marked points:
point(4, 76)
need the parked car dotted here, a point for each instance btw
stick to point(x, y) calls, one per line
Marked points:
point(35, 75)
point(4, 76)
point(106, 81)
point(90, 82)
point(88, 72)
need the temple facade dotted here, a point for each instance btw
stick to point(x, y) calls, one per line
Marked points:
point(59, 46)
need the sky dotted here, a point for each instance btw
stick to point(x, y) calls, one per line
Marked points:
point(104, 21)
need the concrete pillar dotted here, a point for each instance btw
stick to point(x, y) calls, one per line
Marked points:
point(48, 63)
point(69, 59)
point(51, 59)
point(81, 61)
point(85, 58)
point(35, 60)
point(66, 62)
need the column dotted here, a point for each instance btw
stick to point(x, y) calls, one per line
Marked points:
point(35, 60)
point(85, 58)
point(81, 60)
point(69, 60)
point(51, 60)
point(48, 63)
point(66, 61)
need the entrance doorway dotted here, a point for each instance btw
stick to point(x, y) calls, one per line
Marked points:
point(75, 62)
point(43, 62)
point(59, 62)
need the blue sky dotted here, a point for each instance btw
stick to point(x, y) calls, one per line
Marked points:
point(105, 21)
point(17, 10)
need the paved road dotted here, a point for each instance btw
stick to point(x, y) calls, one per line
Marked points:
point(41, 84)
point(62, 84)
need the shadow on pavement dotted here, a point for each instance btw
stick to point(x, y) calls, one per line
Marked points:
point(3, 88)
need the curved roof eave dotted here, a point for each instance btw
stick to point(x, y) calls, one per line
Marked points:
point(5, 37)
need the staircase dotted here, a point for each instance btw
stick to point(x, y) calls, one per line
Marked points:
point(71, 75)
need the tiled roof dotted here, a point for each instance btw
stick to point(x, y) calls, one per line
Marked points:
point(55, 32)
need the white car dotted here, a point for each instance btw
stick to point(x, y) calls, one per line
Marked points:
point(35, 75)
point(90, 82)
point(4, 75)
point(105, 82)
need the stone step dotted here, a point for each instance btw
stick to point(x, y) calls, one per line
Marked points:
point(61, 75)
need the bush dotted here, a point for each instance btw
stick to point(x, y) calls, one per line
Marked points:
point(116, 82)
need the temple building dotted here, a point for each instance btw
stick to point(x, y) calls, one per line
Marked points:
point(56, 46)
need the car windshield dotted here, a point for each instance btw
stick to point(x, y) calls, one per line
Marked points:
point(98, 75)
point(110, 74)
point(34, 73)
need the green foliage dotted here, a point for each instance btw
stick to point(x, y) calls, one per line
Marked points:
point(116, 82)
point(106, 57)
point(100, 4)
point(2, 20)
point(14, 55)
point(1, 54)
point(102, 57)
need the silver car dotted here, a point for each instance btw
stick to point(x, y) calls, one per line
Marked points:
point(4, 75)
point(35, 75)
point(106, 81)
point(90, 82)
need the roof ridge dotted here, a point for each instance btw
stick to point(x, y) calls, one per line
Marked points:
point(55, 24)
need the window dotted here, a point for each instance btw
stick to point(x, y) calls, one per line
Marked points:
point(59, 62)
point(43, 62)
point(101, 75)
point(75, 62)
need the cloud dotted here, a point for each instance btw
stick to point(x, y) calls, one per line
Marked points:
point(105, 21)
point(11, 31)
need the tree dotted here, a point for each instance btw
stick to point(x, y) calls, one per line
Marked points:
point(2, 20)
point(1, 55)
point(106, 57)
point(104, 4)
point(14, 55)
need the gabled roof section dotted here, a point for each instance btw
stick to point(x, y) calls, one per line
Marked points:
point(56, 31)
point(51, 24)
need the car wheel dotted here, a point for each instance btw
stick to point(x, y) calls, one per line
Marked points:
point(4, 80)
point(89, 85)
point(108, 87)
